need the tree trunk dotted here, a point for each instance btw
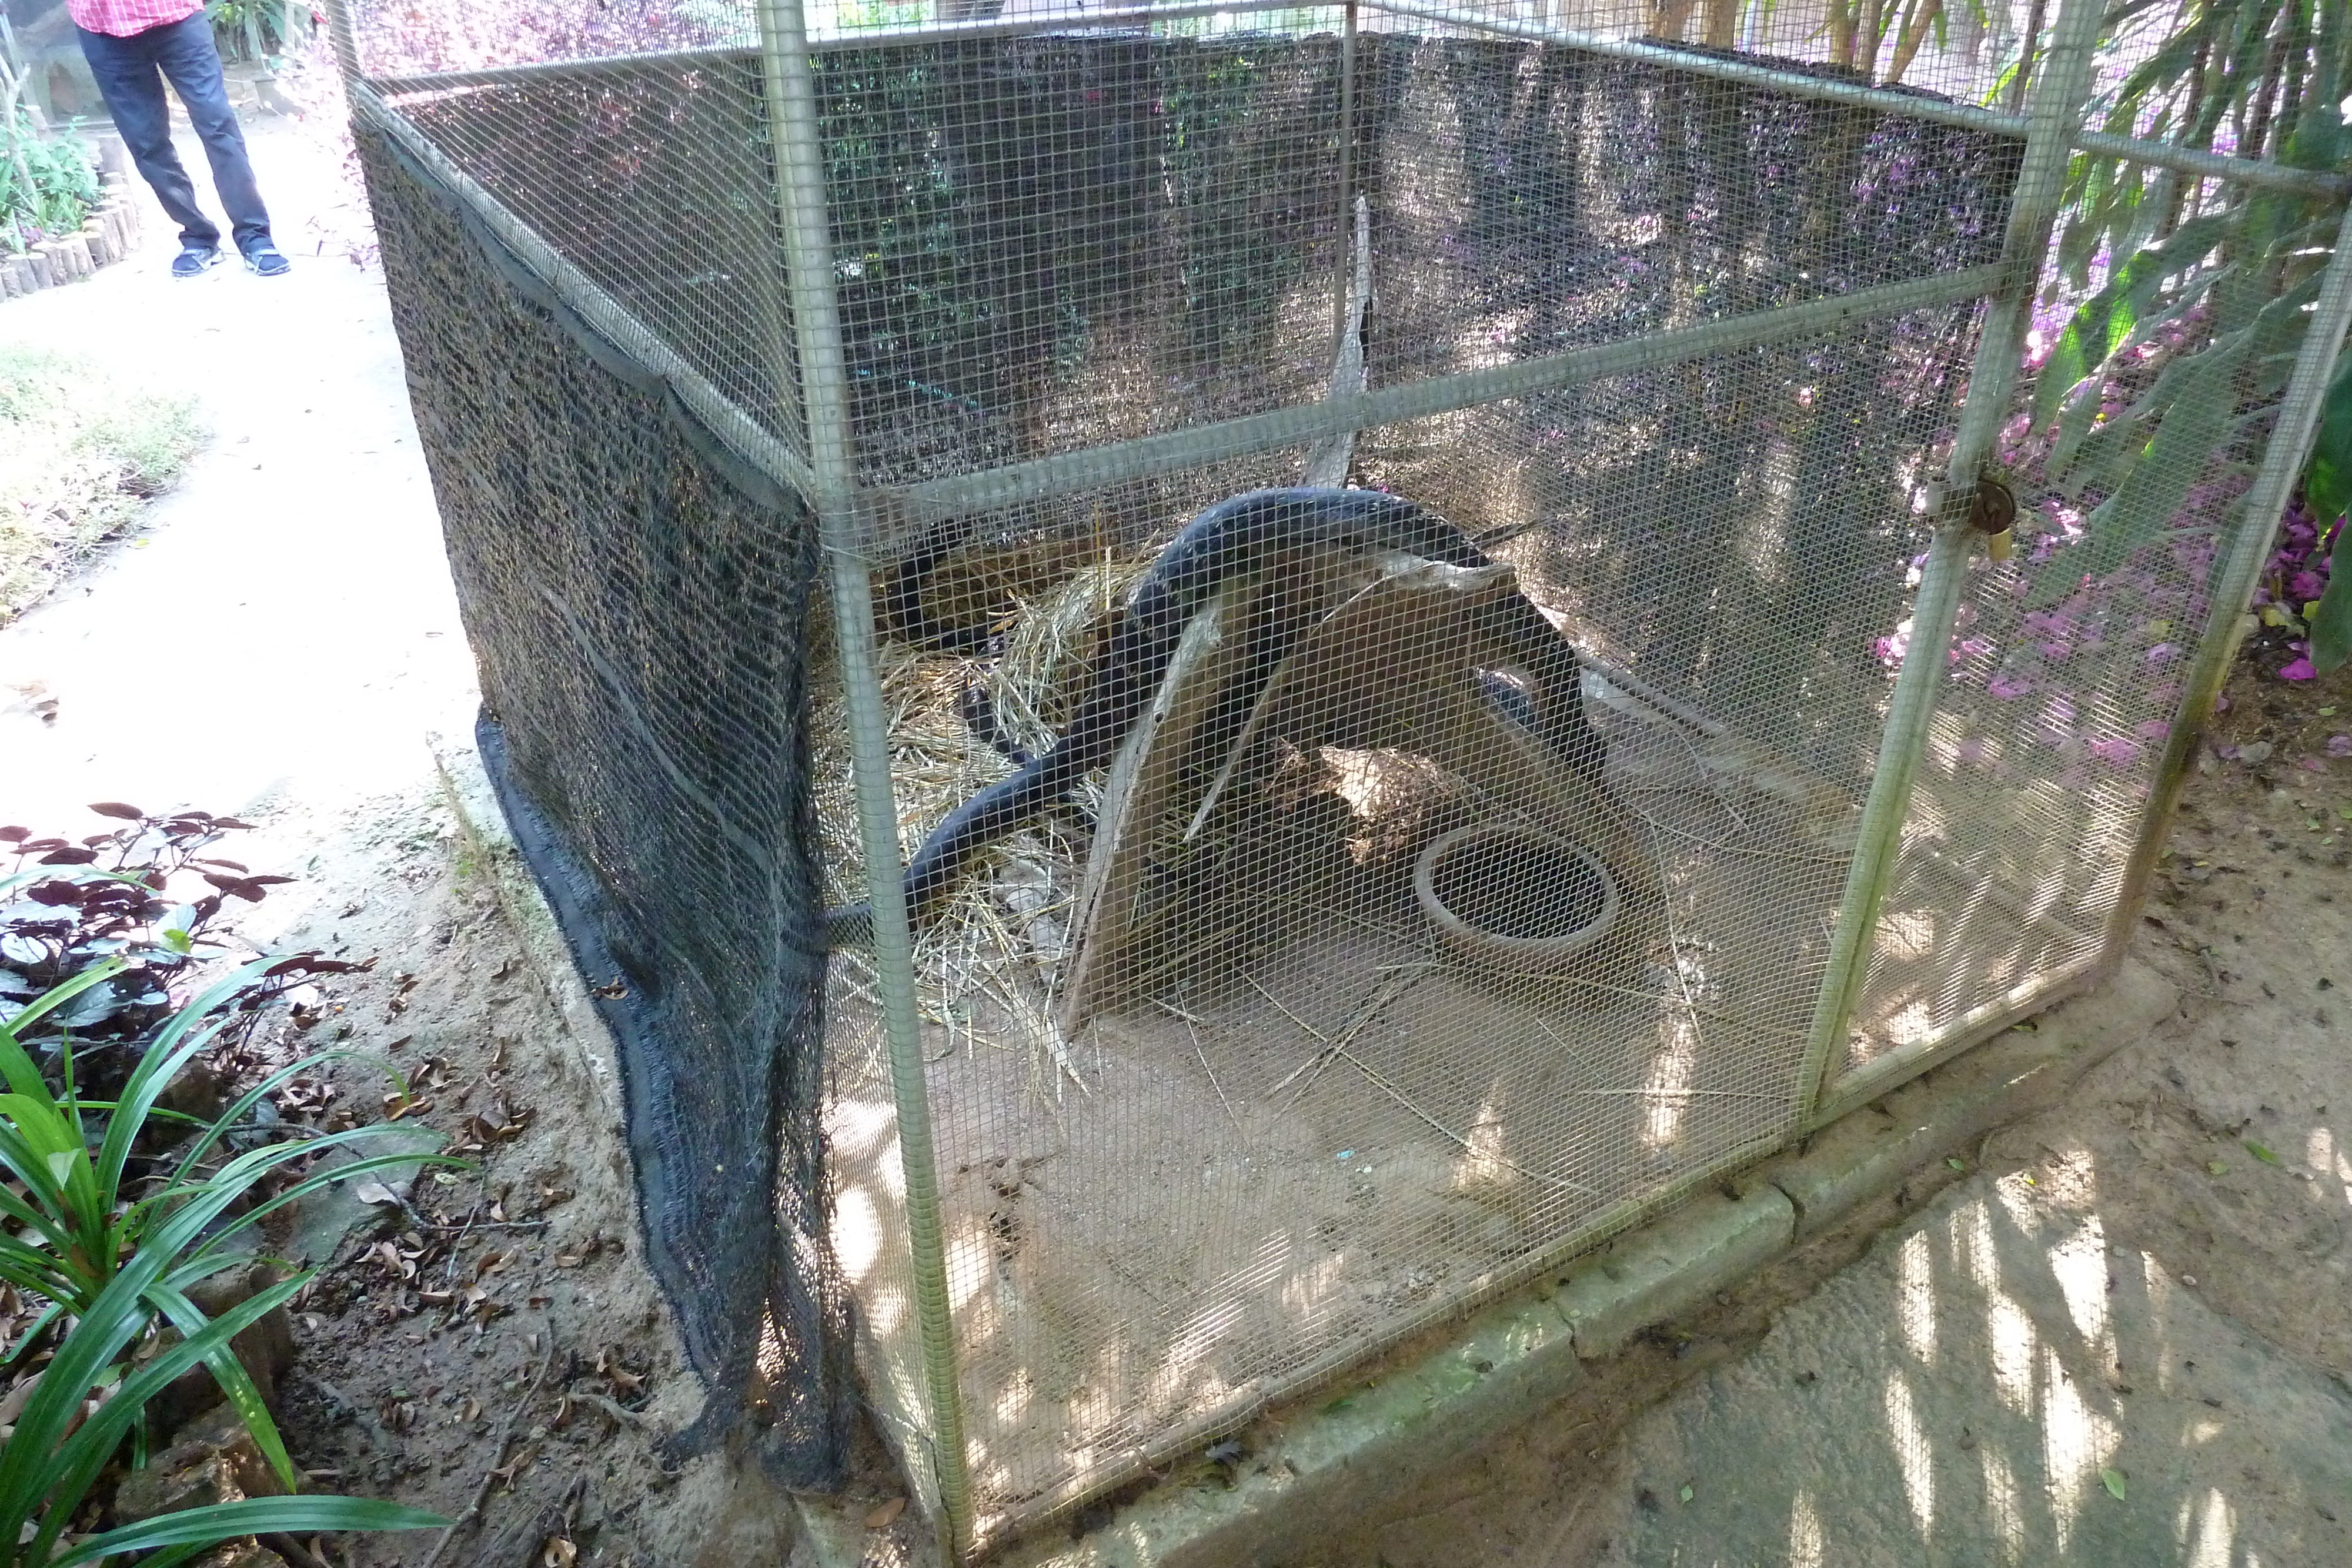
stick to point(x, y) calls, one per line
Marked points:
point(1915, 33)
point(2025, 45)
point(1840, 23)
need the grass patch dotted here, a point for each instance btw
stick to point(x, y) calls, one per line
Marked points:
point(80, 454)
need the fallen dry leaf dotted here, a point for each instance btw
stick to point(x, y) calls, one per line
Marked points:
point(609, 1367)
point(19, 1397)
point(373, 1192)
point(505, 1474)
point(882, 1517)
point(558, 1552)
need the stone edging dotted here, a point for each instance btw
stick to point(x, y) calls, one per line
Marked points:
point(106, 236)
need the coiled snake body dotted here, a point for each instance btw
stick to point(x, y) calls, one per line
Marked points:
point(1228, 540)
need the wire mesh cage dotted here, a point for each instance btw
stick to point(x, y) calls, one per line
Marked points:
point(1445, 623)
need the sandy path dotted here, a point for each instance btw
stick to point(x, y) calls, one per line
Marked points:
point(282, 635)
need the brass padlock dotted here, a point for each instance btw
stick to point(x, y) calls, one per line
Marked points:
point(1993, 513)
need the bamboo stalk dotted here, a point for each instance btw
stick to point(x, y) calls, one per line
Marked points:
point(1913, 33)
point(2025, 57)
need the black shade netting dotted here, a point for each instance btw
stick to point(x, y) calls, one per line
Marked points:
point(636, 600)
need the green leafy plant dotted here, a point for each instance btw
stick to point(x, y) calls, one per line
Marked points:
point(2327, 488)
point(147, 892)
point(2162, 378)
point(116, 1268)
point(258, 30)
point(47, 185)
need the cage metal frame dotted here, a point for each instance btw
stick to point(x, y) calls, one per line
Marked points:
point(856, 520)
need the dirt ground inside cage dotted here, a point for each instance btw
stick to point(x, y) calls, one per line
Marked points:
point(1249, 1158)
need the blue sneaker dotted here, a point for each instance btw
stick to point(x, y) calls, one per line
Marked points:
point(263, 258)
point(196, 260)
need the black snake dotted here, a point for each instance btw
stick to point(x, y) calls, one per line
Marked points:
point(1228, 540)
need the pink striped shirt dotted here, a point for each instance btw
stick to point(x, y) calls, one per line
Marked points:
point(122, 18)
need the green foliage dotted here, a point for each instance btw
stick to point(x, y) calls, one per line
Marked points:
point(116, 1268)
point(47, 185)
point(2331, 623)
point(2208, 285)
point(258, 30)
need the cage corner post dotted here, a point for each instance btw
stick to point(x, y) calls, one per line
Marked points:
point(2241, 568)
point(789, 88)
point(343, 40)
point(2053, 116)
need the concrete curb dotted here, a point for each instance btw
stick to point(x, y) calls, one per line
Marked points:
point(1941, 1116)
point(1661, 1271)
point(591, 1056)
point(1343, 1451)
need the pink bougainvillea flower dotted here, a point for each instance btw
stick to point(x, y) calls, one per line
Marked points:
point(2306, 585)
point(1969, 752)
point(2054, 724)
point(2009, 687)
point(2226, 753)
point(2117, 751)
point(2298, 669)
point(2339, 746)
point(2153, 729)
point(2311, 765)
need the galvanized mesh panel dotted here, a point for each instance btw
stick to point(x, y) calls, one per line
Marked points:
point(2066, 679)
point(655, 180)
point(398, 38)
point(665, 813)
point(1530, 199)
point(1053, 243)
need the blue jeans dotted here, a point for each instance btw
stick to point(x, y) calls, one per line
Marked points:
point(131, 73)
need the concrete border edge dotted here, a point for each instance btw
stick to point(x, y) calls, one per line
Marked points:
point(587, 1050)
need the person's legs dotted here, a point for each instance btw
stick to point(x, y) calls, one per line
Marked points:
point(185, 52)
point(134, 94)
